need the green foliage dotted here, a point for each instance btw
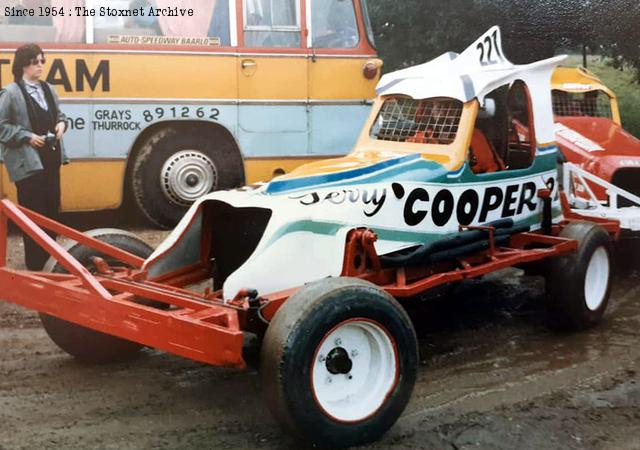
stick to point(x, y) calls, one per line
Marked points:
point(414, 31)
point(614, 32)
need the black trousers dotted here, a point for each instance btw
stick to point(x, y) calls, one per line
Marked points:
point(41, 193)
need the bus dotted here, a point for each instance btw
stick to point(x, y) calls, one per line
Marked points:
point(170, 99)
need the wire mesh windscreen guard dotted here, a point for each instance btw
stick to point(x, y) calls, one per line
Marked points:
point(581, 104)
point(427, 121)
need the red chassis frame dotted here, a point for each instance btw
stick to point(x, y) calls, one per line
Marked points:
point(201, 326)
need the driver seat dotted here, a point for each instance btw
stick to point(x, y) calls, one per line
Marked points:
point(483, 157)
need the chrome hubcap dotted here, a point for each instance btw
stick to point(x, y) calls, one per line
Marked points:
point(187, 176)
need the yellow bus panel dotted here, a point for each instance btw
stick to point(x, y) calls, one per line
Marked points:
point(341, 78)
point(264, 169)
point(91, 185)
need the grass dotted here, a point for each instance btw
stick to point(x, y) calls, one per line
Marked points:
point(619, 81)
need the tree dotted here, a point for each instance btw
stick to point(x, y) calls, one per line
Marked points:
point(615, 32)
point(420, 30)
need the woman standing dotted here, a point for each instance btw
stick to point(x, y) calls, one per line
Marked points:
point(31, 129)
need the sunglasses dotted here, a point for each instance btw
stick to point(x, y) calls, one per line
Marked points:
point(36, 61)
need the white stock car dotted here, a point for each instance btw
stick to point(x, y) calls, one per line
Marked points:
point(465, 140)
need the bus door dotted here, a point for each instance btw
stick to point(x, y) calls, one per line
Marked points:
point(272, 79)
point(343, 73)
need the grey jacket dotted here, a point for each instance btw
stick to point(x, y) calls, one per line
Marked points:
point(20, 158)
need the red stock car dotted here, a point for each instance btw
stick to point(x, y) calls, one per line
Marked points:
point(590, 134)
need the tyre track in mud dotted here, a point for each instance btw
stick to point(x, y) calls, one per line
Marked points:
point(492, 375)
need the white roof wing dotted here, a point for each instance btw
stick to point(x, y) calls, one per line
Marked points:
point(478, 70)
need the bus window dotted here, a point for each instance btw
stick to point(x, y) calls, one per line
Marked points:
point(334, 24)
point(43, 26)
point(367, 23)
point(209, 24)
point(271, 23)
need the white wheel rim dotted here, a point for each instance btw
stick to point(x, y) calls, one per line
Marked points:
point(188, 175)
point(354, 370)
point(597, 279)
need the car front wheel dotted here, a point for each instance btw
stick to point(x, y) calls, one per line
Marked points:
point(339, 362)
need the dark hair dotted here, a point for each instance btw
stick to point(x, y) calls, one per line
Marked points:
point(22, 58)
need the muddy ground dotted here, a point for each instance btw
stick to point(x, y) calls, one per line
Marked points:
point(493, 375)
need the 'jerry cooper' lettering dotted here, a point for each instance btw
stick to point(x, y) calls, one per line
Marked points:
point(443, 205)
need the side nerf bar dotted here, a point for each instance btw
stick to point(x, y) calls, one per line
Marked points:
point(196, 326)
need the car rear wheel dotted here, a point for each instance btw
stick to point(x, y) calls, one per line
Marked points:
point(579, 284)
point(339, 362)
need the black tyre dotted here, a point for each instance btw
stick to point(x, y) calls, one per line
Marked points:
point(84, 344)
point(339, 362)
point(176, 166)
point(579, 284)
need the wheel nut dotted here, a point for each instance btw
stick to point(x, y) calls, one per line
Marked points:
point(321, 358)
point(338, 341)
point(354, 353)
point(328, 380)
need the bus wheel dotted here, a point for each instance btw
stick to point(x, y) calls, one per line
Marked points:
point(84, 344)
point(578, 285)
point(339, 362)
point(175, 167)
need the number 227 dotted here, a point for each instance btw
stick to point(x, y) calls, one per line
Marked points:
point(486, 48)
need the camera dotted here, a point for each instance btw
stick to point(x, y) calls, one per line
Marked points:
point(50, 139)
